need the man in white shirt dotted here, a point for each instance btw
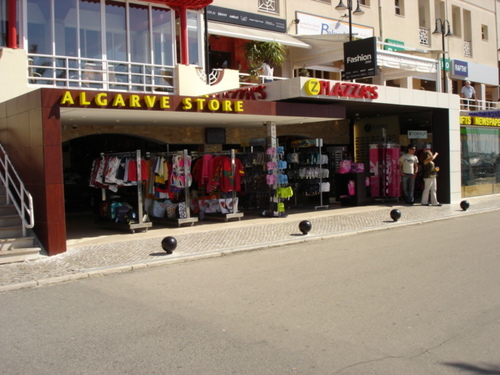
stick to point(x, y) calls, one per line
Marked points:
point(468, 93)
point(408, 165)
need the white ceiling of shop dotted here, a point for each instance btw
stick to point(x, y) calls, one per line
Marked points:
point(93, 116)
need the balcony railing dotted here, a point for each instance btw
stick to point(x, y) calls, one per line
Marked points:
point(61, 71)
point(478, 105)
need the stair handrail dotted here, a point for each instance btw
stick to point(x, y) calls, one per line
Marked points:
point(16, 192)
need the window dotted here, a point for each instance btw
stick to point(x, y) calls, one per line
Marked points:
point(324, 1)
point(163, 36)
point(484, 32)
point(456, 21)
point(40, 27)
point(365, 2)
point(3, 23)
point(116, 31)
point(399, 7)
point(90, 29)
point(140, 42)
point(269, 6)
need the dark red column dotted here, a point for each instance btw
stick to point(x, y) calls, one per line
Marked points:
point(11, 24)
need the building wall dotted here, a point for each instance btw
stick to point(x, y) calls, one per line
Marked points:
point(15, 62)
point(333, 132)
point(30, 133)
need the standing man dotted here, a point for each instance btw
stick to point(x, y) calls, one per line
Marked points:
point(408, 166)
point(468, 93)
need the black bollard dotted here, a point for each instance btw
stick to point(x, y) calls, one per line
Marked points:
point(169, 244)
point(305, 226)
point(395, 215)
point(465, 205)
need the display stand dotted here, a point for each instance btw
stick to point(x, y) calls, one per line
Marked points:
point(319, 144)
point(360, 196)
point(140, 223)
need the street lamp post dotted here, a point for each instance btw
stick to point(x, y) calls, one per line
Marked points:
point(440, 29)
point(357, 12)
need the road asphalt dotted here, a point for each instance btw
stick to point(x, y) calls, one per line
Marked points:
point(95, 252)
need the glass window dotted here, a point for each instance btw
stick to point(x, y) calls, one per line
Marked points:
point(140, 44)
point(3, 22)
point(90, 29)
point(65, 28)
point(194, 38)
point(163, 37)
point(39, 27)
point(484, 32)
point(116, 31)
point(400, 7)
point(480, 160)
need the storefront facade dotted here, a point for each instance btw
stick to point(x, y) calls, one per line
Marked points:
point(35, 125)
point(480, 153)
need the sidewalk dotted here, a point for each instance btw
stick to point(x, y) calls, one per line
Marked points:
point(122, 252)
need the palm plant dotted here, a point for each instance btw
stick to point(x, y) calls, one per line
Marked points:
point(258, 52)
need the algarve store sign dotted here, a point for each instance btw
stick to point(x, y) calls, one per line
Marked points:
point(135, 101)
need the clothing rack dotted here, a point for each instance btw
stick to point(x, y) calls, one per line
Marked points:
point(141, 223)
point(188, 219)
point(234, 214)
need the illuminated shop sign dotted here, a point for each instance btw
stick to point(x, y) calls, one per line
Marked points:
point(247, 93)
point(340, 89)
point(481, 121)
point(109, 100)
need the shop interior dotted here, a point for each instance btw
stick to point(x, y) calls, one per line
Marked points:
point(299, 174)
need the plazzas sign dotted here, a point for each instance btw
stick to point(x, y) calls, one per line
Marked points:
point(316, 87)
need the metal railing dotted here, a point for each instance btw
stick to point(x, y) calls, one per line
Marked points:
point(478, 105)
point(64, 71)
point(16, 192)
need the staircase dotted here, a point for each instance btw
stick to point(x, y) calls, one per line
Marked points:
point(16, 216)
point(14, 247)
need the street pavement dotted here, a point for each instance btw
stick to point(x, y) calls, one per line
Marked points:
point(95, 253)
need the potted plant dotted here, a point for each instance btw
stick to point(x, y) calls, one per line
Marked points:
point(258, 52)
point(303, 72)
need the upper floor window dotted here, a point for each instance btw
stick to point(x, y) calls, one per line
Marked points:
point(324, 1)
point(399, 7)
point(365, 2)
point(269, 6)
point(484, 32)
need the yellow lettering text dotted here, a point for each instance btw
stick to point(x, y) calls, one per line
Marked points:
point(226, 106)
point(213, 105)
point(238, 106)
point(165, 102)
point(200, 104)
point(150, 101)
point(67, 98)
point(187, 104)
point(465, 120)
point(101, 99)
point(83, 99)
point(134, 101)
point(118, 101)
